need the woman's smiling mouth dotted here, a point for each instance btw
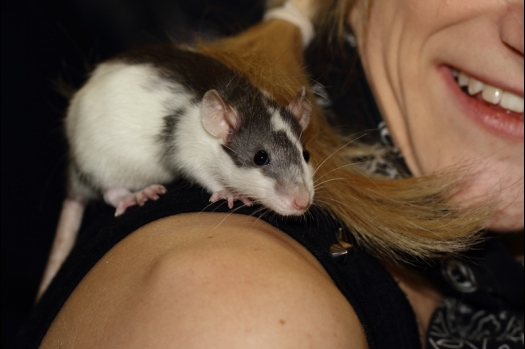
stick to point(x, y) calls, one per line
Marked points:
point(490, 94)
point(494, 108)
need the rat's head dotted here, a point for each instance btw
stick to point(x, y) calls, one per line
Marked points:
point(269, 162)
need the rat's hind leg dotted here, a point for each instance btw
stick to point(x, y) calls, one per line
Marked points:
point(122, 198)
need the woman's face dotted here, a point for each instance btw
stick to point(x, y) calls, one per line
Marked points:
point(413, 50)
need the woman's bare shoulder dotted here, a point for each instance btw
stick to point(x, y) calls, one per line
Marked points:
point(204, 280)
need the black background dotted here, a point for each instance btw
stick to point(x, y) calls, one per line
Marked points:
point(44, 42)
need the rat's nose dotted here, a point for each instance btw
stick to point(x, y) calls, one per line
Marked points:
point(301, 200)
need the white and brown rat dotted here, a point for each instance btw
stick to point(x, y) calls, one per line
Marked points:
point(155, 114)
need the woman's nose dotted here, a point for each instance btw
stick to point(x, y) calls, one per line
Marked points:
point(511, 26)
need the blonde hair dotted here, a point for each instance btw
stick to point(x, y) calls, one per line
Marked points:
point(391, 218)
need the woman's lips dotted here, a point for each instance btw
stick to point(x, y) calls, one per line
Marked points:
point(490, 94)
point(493, 117)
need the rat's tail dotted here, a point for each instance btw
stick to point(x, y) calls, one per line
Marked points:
point(68, 226)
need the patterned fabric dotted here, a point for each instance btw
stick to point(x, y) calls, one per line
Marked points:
point(456, 324)
point(484, 307)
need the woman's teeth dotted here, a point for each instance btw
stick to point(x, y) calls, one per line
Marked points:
point(490, 94)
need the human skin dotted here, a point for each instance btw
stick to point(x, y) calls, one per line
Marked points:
point(409, 50)
point(206, 280)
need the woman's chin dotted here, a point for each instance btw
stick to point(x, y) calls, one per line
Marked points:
point(507, 221)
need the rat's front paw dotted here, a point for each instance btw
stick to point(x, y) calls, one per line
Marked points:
point(230, 197)
point(151, 192)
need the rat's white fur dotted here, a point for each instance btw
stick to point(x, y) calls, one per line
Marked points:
point(115, 124)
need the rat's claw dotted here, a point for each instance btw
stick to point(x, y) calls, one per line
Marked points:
point(230, 197)
point(124, 204)
point(216, 196)
point(246, 201)
point(152, 192)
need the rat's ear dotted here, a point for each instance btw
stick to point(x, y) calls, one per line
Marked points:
point(217, 117)
point(301, 108)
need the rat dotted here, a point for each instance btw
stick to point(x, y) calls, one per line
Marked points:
point(155, 114)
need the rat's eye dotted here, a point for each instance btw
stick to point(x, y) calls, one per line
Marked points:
point(261, 158)
point(306, 155)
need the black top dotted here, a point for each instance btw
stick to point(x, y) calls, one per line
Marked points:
point(384, 312)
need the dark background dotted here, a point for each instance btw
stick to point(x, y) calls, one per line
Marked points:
point(47, 41)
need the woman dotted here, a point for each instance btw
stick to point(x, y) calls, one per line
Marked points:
point(207, 279)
